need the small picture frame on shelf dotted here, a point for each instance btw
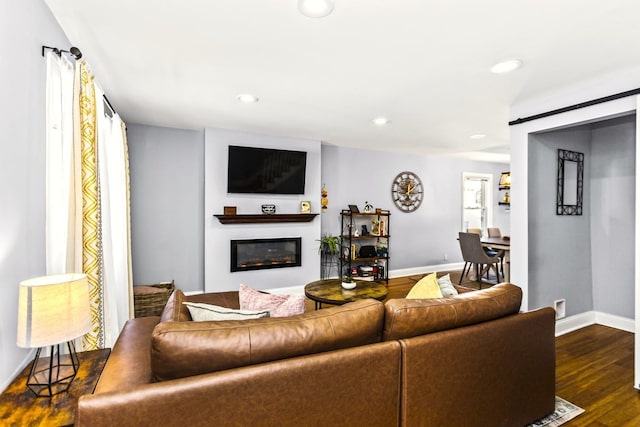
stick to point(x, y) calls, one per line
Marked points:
point(305, 207)
point(354, 209)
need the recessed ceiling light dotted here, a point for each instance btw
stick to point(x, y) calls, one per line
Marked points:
point(315, 8)
point(380, 121)
point(478, 136)
point(247, 97)
point(506, 66)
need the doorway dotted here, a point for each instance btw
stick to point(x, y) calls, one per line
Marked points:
point(614, 179)
point(477, 211)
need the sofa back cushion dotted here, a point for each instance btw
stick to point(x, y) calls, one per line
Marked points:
point(181, 349)
point(406, 318)
point(175, 310)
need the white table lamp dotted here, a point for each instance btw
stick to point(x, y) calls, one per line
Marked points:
point(52, 312)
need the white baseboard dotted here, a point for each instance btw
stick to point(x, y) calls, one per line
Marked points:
point(617, 322)
point(299, 290)
point(290, 290)
point(572, 323)
point(28, 358)
point(425, 269)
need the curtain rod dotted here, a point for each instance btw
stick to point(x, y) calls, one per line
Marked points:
point(75, 52)
point(576, 106)
point(109, 104)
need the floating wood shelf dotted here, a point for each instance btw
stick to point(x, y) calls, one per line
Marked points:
point(264, 218)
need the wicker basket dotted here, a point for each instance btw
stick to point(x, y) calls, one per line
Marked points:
point(149, 300)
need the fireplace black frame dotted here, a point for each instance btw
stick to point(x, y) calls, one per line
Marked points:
point(234, 254)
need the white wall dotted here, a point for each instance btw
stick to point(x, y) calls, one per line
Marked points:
point(25, 26)
point(218, 276)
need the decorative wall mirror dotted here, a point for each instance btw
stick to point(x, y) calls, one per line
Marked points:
point(570, 179)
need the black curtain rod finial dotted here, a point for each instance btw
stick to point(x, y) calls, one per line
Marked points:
point(75, 52)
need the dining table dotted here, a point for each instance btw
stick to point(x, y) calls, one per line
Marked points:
point(500, 243)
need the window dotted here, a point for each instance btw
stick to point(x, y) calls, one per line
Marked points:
point(477, 210)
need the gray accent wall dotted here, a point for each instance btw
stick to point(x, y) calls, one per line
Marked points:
point(587, 260)
point(559, 245)
point(419, 238)
point(25, 26)
point(167, 205)
point(613, 215)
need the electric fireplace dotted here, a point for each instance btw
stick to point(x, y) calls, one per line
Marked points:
point(258, 254)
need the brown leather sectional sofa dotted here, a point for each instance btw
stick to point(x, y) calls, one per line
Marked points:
point(467, 360)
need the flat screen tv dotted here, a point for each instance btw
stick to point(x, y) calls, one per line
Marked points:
point(266, 170)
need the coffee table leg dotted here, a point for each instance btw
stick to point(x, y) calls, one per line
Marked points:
point(318, 305)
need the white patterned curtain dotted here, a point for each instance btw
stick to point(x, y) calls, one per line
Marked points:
point(96, 228)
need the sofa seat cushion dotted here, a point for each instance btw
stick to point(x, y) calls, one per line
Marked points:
point(181, 349)
point(406, 318)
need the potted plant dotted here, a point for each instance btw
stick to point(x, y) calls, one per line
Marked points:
point(329, 244)
point(329, 249)
point(348, 282)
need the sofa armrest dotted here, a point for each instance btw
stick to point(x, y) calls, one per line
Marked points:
point(501, 371)
point(129, 363)
point(355, 386)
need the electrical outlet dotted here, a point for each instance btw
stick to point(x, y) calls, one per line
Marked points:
point(445, 257)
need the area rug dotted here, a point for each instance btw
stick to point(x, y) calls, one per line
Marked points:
point(564, 412)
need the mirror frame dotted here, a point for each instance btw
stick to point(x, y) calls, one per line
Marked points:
point(561, 207)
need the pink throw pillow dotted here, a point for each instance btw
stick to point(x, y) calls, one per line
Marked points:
point(278, 305)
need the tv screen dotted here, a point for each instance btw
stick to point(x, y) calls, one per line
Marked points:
point(265, 170)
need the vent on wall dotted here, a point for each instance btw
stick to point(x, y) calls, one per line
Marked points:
point(559, 306)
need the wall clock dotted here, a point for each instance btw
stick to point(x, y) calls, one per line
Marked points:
point(406, 191)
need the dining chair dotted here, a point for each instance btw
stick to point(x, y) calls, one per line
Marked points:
point(477, 231)
point(475, 256)
point(489, 251)
point(494, 232)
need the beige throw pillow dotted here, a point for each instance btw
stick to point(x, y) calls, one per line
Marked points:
point(446, 287)
point(203, 312)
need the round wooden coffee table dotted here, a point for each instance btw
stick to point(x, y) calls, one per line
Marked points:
point(330, 292)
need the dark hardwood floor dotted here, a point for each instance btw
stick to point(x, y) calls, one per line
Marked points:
point(594, 370)
point(594, 367)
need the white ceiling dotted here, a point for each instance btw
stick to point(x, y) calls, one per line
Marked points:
point(424, 64)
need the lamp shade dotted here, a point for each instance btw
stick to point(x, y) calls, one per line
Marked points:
point(53, 309)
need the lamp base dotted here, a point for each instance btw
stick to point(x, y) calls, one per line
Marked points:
point(53, 375)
